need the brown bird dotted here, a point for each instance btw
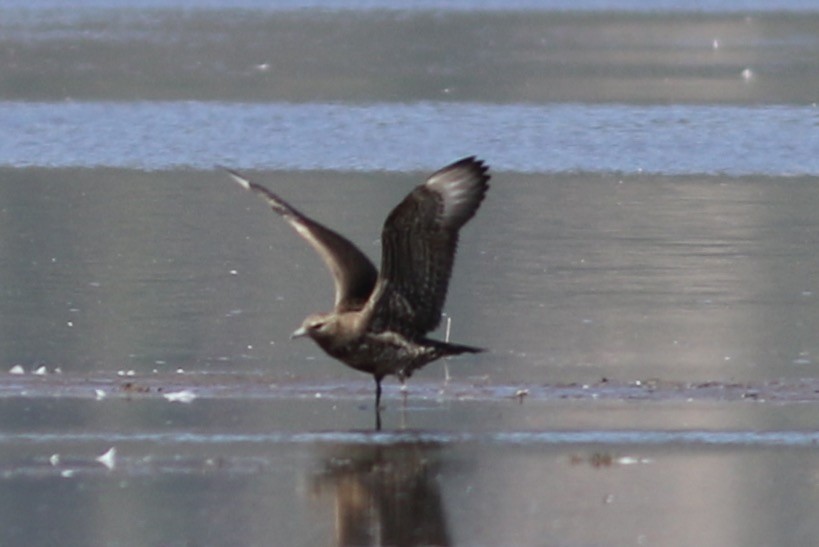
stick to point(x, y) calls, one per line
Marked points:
point(379, 322)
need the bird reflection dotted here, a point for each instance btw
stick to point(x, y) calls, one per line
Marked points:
point(384, 494)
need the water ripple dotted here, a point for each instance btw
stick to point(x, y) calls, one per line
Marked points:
point(677, 139)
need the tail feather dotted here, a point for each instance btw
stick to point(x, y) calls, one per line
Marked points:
point(447, 348)
point(442, 349)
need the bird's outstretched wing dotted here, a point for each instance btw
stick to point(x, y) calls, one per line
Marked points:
point(418, 244)
point(354, 274)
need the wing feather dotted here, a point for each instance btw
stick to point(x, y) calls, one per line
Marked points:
point(354, 274)
point(419, 241)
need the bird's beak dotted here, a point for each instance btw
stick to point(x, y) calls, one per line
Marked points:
point(298, 333)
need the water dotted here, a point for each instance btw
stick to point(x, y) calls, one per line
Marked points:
point(681, 140)
point(643, 272)
point(240, 471)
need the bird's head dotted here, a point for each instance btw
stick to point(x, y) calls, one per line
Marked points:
point(317, 326)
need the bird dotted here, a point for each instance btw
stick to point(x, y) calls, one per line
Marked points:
point(380, 319)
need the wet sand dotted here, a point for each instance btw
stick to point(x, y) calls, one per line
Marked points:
point(238, 387)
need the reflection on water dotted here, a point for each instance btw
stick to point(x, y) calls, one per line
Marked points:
point(245, 471)
point(374, 492)
point(384, 494)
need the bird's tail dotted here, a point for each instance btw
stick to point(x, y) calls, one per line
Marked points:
point(447, 348)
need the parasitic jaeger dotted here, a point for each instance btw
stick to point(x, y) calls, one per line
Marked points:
point(380, 320)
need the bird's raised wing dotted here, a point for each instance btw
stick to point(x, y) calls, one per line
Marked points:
point(354, 274)
point(418, 245)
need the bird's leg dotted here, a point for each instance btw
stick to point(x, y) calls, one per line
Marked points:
point(377, 392)
point(378, 403)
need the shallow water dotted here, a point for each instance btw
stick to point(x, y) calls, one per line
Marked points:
point(228, 467)
point(643, 273)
